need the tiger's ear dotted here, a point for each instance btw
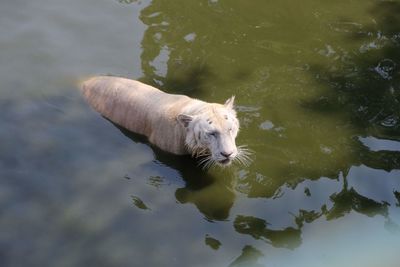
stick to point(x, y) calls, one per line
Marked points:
point(229, 103)
point(184, 119)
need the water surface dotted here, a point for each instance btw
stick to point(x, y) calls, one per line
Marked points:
point(317, 86)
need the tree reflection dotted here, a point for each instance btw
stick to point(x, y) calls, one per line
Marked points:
point(348, 200)
point(212, 242)
point(248, 258)
point(365, 86)
point(170, 59)
point(344, 202)
point(258, 229)
point(186, 54)
point(397, 195)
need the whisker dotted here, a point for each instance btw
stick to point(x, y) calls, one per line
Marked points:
point(209, 164)
point(243, 155)
point(199, 152)
point(243, 161)
point(204, 160)
point(240, 160)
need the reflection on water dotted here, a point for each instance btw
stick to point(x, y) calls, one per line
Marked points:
point(317, 87)
point(365, 85)
point(212, 242)
point(139, 203)
point(248, 258)
point(212, 197)
point(257, 228)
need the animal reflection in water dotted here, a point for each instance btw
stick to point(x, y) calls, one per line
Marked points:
point(212, 196)
point(175, 123)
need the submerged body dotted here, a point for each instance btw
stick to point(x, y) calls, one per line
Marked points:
point(175, 123)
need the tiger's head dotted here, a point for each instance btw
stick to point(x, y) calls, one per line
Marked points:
point(211, 134)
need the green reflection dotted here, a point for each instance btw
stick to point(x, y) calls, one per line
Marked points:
point(212, 242)
point(258, 228)
point(298, 127)
point(310, 79)
point(348, 199)
point(248, 258)
point(364, 85)
point(190, 54)
point(139, 203)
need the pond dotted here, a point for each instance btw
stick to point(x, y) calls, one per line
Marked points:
point(317, 88)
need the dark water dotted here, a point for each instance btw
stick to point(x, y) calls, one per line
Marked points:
point(317, 87)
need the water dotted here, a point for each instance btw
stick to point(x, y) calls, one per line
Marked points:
point(317, 87)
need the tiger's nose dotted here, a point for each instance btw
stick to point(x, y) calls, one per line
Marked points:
point(226, 154)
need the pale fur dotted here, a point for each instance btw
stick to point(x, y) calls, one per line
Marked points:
point(175, 123)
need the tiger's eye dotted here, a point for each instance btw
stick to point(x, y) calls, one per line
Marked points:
point(213, 134)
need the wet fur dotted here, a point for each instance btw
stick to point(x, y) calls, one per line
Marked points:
point(174, 123)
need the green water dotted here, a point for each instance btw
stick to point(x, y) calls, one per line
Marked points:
point(317, 88)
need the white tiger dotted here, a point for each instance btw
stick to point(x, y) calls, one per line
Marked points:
point(175, 123)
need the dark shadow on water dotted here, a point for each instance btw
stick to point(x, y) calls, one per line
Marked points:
point(366, 86)
point(188, 81)
point(383, 159)
point(397, 196)
point(174, 62)
point(348, 199)
point(212, 196)
point(258, 228)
